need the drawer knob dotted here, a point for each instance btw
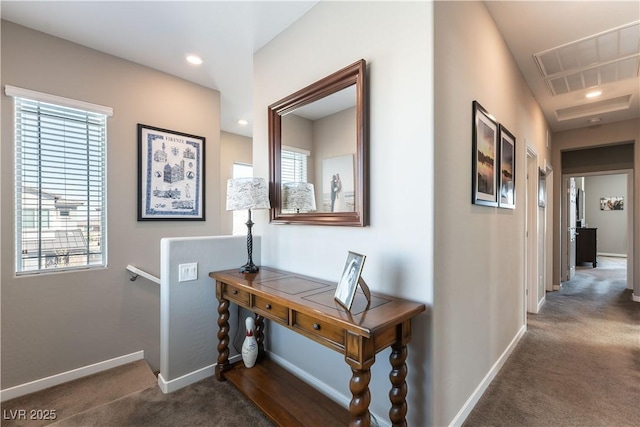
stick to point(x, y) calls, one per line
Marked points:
point(316, 326)
point(235, 292)
point(268, 306)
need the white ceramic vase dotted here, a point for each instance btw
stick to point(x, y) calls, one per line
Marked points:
point(250, 345)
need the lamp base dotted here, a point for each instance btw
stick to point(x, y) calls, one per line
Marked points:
point(249, 268)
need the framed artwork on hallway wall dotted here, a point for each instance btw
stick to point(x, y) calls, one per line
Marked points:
point(170, 175)
point(507, 174)
point(485, 157)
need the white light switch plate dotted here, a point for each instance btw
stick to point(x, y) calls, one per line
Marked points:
point(187, 272)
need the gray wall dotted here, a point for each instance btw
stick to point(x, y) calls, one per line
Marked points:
point(52, 323)
point(189, 321)
point(233, 149)
point(395, 38)
point(612, 134)
point(480, 251)
point(611, 225)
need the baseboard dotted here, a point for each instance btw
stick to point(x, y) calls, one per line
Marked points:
point(74, 374)
point(635, 298)
point(325, 389)
point(541, 302)
point(471, 402)
point(612, 255)
point(190, 378)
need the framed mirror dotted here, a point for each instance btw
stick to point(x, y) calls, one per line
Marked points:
point(318, 152)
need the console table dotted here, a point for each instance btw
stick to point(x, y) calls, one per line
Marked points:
point(306, 306)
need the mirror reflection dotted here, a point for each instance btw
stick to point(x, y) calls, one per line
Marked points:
point(318, 148)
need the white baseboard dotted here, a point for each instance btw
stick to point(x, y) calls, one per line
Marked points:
point(190, 378)
point(636, 298)
point(471, 402)
point(612, 255)
point(74, 374)
point(541, 303)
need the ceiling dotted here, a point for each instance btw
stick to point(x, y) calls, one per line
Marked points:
point(226, 34)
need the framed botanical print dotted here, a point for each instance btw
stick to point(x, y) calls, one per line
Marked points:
point(171, 175)
point(507, 183)
point(485, 157)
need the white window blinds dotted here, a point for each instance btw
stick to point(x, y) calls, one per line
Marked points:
point(60, 184)
point(293, 165)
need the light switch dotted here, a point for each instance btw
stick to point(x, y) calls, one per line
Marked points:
point(187, 272)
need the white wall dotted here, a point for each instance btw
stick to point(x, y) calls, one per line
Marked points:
point(395, 38)
point(53, 323)
point(611, 225)
point(479, 310)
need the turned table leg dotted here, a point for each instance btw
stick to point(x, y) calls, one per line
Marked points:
point(223, 338)
point(398, 392)
point(259, 334)
point(361, 397)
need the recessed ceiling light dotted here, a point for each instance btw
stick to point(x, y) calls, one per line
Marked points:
point(594, 94)
point(243, 122)
point(594, 120)
point(194, 59)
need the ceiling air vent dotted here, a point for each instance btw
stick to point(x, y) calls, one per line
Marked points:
point(607, 57)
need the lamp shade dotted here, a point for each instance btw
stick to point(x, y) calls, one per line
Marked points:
point(247, 193)
point(298, 196)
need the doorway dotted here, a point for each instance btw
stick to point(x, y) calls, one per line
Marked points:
point(609, 229)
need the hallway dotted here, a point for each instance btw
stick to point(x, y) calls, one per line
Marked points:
point(579, 362)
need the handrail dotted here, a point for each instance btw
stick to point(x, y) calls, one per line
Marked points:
point(137, 272)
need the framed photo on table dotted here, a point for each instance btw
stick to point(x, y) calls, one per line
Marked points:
point(171, 175)
point(507, 182)
point(485, 157)
point(346, 290)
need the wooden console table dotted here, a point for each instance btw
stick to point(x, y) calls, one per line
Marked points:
point(306, 306)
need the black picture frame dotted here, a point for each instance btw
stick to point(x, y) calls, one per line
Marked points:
point(507, 174)
point(171, 175)
point(485, 157)
point(349, 279)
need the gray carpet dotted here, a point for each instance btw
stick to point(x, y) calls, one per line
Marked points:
point(579, 362)
point(206, 403)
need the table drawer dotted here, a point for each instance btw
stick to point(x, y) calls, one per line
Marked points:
point(270, 309)
point(319, 328)
point(236, 295)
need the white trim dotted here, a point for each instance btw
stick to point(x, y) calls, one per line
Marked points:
point(471, 402)
point(541, 302)
point(612, 255)
point(19, 92)
point(74, 374)
point(635, 298)
point(296, 150)
point(191, 377)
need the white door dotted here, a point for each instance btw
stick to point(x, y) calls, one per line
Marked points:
point(571, 228)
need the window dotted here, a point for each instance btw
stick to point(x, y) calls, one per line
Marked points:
point(241, 170)
point(293, 164)
point(60, 177)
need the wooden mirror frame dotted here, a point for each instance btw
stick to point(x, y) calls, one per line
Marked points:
point(354, 74)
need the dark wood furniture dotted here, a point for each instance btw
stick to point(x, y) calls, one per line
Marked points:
point(587, 246)
point(306, 306)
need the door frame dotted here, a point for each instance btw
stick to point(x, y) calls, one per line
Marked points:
point(531, 233)
point(630, 218)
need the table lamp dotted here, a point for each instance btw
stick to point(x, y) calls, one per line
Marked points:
point(248, 193)
point(298, 196)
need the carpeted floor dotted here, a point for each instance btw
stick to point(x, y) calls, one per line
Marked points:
point(579, 362)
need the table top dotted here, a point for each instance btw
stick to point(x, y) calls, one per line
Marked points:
point(316, 297)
